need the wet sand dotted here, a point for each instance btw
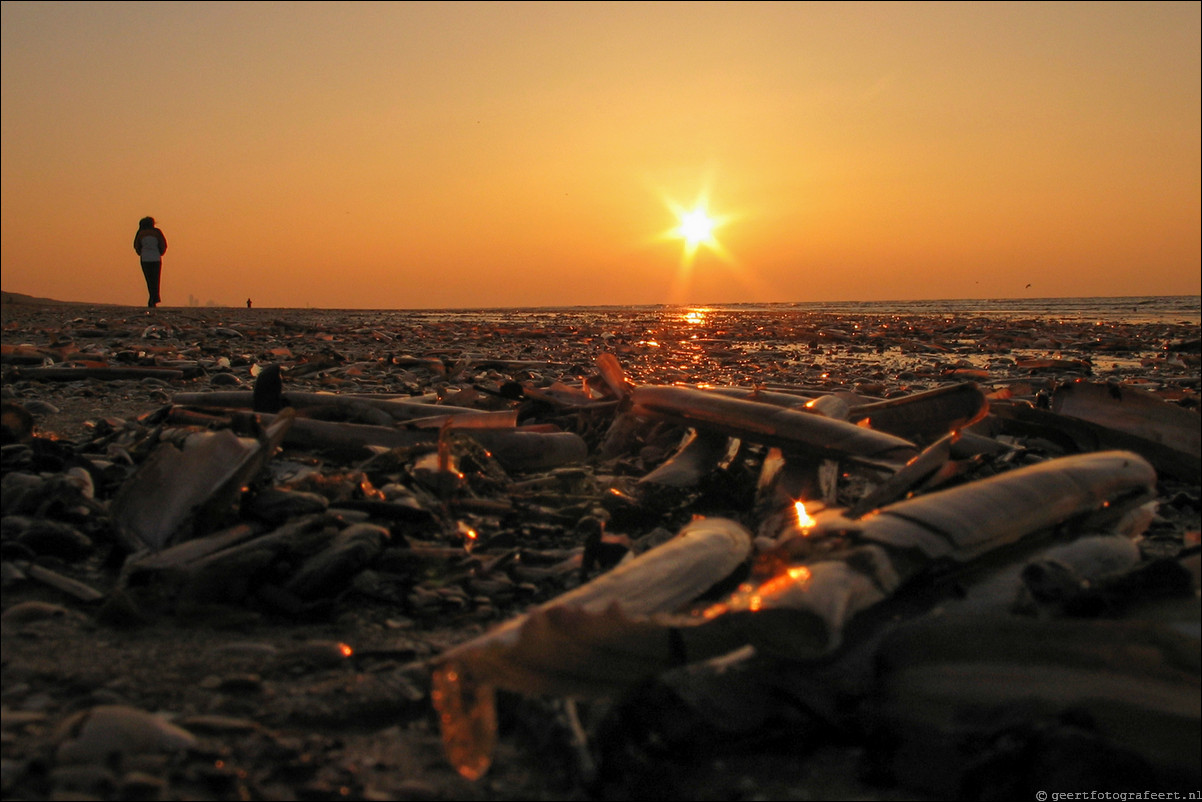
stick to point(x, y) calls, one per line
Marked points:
point(260, 681)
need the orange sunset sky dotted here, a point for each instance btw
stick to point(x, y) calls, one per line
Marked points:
point(461, 155)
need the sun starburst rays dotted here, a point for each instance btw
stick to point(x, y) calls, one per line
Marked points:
point(705, 262)
point(696, 228)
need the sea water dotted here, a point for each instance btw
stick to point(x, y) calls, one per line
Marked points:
point(1179, 309)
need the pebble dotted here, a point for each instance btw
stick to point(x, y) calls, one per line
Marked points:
point(92, 736)
point(27, 611)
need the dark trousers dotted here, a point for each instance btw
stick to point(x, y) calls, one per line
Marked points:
point(153, 271)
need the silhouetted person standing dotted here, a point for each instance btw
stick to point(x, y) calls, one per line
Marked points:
point(150, 244)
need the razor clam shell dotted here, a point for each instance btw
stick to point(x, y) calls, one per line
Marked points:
point(769, 424)
point(966, 521)
point(530, 653)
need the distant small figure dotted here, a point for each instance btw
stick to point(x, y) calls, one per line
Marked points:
point(248, 303)
point(150, 245)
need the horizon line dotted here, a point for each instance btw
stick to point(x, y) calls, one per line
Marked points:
point(7, 295)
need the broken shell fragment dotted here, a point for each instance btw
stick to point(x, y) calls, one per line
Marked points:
point(926, 415)
point(1131, 410)
point(699, 454)
point(1066, 572)
point(176, 495)
point(276, 505)
point(332, 569)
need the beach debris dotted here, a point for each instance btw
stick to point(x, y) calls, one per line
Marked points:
point(328, 406)
point(1073, 575)
point(277, 505)
point(105, 732)
point(268, 393)
point(935, 465)
point(769, 424)
point(32, 611)
point(48, 537)
point(331, 570)
point(81, 591)
point(925, 415)
point(1133, 411)
point(182, 493)
point(517, 449)
point(988, 708)
point(16, 424)
point(738, 520)
point(581, 642)
point(602, 637)
point(233, 566)
point(699, 454)
point(102, 373)
point(963, 522)
point(1077, 435)
point(802, 594)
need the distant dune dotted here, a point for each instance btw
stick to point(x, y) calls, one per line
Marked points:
point(19, 299)
point(7, 298)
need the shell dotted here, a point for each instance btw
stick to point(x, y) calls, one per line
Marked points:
point(97, 734)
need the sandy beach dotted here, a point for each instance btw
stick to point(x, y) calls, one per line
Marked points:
point(364, 540)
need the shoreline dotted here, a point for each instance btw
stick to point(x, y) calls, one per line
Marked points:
point(1186, 309)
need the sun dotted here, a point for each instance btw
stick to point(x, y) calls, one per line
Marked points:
point(696, 228)
point(699, 229)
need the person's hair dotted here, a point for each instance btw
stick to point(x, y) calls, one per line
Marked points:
point(146, 222)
